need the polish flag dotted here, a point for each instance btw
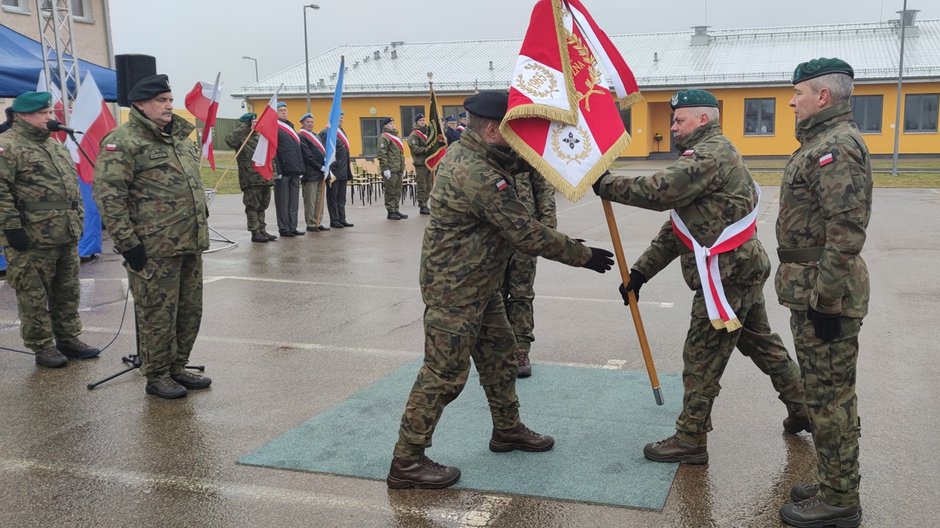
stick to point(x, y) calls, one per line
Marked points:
point(44, 86)
point(203, 103)
point(266, 127)
point(90, 114)
point(562, 117)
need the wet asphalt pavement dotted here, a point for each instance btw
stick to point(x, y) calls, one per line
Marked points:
point(296, 326)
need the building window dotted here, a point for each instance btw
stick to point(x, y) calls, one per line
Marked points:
point(408, 114)
point(627, 117)
point(371, 130)
point(452, 110)
point(920, 112)
point(81, 9)
point(15, 6)
point(759, 116)
point(867, 110)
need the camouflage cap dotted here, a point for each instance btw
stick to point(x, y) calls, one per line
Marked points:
point(821, 66)
point(149, 87)
point(491, 105)
point(248, 117)
point(693, 98)
point(29, 102)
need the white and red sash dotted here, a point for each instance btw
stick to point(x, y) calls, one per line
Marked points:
point(287, 128)
point(313, 137)
point(342, 135)
point(706, 260)
point(395, 140)
point(420, 135)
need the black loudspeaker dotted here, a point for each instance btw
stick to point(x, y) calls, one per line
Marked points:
point(130, 70)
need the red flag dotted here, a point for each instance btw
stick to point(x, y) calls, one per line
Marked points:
point(266, 127)
point(203, 102)
point(562, 118)
point(57, 107)
point(90, 114)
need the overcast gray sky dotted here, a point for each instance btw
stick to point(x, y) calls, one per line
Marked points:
point(194, 40)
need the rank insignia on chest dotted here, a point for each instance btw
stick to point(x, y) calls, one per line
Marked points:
point(502, 185)
point(688, 153)
point(110, 147)
point(827, 159)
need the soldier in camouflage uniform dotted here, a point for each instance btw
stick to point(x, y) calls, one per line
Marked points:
point(391, 156)
point(256, 191)
point(153, 204)
point(825, 206)
point(709, 188)
point(539, 198)
point(41, 217)
point(476, 222)
point(420, 148)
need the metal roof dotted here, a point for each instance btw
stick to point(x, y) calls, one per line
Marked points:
point(731, 57)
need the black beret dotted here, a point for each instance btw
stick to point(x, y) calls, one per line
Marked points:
point(491, 105)
point(149, 87)
point(419, 117)
point(693, 99)
point(450, 119)
point(384, 121)
point(819, 67)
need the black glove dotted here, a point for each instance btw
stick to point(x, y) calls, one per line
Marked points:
point(597, 184)
point(637, 280)
point(136, 257)
point(601, 260)
point(17, 239)
point(207, 211)
point(828, 326)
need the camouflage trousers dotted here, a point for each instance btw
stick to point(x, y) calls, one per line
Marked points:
point(256, 199)
point(423, 184)
point(518, 294)
point(828, 371)
point(168, 307)
point(393, 192)
point(707, 351)
point(47, 293)
point(454, 335)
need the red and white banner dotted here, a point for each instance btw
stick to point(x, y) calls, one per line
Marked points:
point(266, 126)
point(315, 139)
point(90, 114)
point(203, 103)
point(562, 117)
point(395, 139)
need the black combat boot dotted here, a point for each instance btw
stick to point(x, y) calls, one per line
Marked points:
point(424, 210)
point(393, 215)
point(165, 388)
point(190, 380)
point(258, 236)
point(269, 235)
point(423, 473)
point(794, 423)
point(519, 437)
point(801, 492)
point(525, 367)
point(674, 450)
point(76, 349)
point(49, 357)
point(813, 513)
point(401, 216)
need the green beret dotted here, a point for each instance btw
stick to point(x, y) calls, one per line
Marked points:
point(248, 117)
point(149, 87)
point(491, 105)
point(821, 66)
point(692, 99)
point(29, 102)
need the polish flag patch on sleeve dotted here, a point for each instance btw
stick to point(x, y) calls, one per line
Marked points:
point(826, 159)
point(502, 185)
point(110, 147)
point(688, 153)
point(1, 150)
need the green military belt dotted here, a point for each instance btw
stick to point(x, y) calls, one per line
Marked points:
point(810, 254)
point(50, 205)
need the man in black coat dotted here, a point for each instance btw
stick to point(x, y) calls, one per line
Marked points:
point(290, 167)
point(336, 192)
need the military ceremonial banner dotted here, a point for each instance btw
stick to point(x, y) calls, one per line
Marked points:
point(435, 138)
point(562, 118)
point(266, 149)
point(336, 109)
point(90, 114)
point(203, 102)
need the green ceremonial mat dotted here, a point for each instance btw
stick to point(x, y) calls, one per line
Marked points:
point(600, 418)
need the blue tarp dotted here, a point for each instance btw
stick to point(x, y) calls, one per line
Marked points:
point(21, 62)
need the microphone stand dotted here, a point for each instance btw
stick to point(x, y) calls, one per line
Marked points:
point(79, 145)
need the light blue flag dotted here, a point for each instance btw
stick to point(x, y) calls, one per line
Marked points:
point(335, 111)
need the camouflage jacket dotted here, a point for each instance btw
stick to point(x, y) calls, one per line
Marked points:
point(419, 145)
point(247, 175)
point(38, 188)
point(475, 224)
point(711, 188)
point(390, 157)
point(148, 188)
point(825, 202)
point(536, 193)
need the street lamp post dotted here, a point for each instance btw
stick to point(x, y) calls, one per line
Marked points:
point(256, 65)
point(306, 53)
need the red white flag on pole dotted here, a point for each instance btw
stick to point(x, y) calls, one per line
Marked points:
point(203, 103)
point(44, 86)
point(562, 118)
point(90, 114)
point(266, 127)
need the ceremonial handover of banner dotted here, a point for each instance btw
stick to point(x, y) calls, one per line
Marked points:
point(203, 103)
point(563, 120)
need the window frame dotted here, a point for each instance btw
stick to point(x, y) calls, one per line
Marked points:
point(21, 7)
point(370, 144)
point(936, 116)
point(857, 98)
point(760, 117)
point(407, 117)
point(456, 109)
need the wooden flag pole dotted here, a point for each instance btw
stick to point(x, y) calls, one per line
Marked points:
point(634, 309)
point(235, 159)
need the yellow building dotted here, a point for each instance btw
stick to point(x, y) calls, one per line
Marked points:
point(748, 70)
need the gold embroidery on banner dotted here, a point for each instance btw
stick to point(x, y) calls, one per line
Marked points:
point(535, 85)
point(587, 61)
point(571, 143)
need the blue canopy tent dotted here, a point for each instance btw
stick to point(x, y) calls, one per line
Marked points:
point(21, 58)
